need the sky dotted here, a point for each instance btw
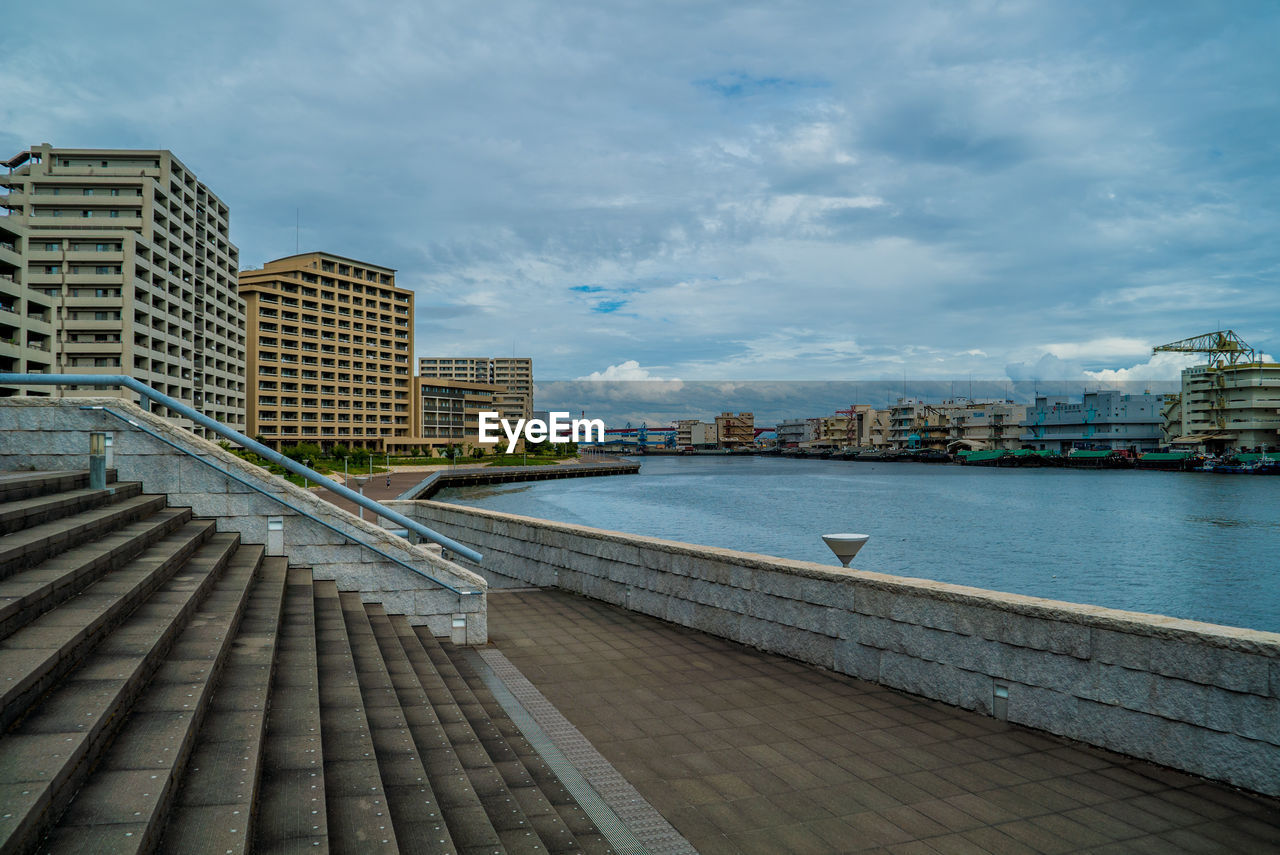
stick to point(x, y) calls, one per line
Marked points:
point(720, 191)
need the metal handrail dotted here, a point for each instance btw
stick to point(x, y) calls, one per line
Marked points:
point(246, 482)
point(147, 395)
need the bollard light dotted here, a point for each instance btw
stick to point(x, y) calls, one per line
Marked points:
point(97, 461)
point(845, 546)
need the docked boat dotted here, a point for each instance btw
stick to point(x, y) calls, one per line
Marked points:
point(1171, 461)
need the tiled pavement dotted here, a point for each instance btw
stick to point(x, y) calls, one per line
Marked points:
point(747, 752)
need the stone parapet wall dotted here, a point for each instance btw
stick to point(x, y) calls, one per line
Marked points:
point(1193, 696)
point(53, 434)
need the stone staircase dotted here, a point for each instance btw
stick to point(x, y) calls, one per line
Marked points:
point(168, 688)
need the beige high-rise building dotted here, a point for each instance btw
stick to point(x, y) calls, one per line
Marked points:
point(132, 254)
point(26, 315)
point(330, 349)
point(513, 375)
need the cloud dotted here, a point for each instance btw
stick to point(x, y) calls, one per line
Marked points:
point(629, 370)
point(1105, 348)
point(788, 191)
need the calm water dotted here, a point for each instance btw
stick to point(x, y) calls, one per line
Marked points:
point(1191, 545)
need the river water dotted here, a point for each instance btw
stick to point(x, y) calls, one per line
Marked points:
point(1192, 545)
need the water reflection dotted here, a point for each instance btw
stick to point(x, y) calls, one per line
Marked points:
point(1199, 546)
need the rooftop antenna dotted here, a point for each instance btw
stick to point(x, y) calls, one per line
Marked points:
point(297, 231)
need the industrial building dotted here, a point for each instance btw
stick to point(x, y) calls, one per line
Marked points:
point(1103, 420)
point(735, 431)
point(128, 270)
point(330, 361)
point(1230, 403)
point(985, 425)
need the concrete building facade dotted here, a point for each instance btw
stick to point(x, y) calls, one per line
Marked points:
point(330, 355)
point(916, 424)
point(26, 315)
point(989, 425)
point(791, 432)
point(513, 375)
point(133, 255)
point(1230, 407)
point(735, 430)
point(1104, 420)
point(695, 433)
point(448, 413)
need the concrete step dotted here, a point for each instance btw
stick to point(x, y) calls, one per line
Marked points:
point(504, 807)
point(215, 806)
point(415, 812)
point(26, 595)
point(468, 822)
point(123, 805)
point(291, 814)
point(504, 735)
point(356, 803)
point(24, 485)
point(34, 657)
point(30, 546)
point(45, 757)
point(554, 831)
point(25, 513)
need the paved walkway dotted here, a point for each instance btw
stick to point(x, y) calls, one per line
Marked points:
point(746, 752)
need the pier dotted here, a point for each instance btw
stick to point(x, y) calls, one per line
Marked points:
point(437, 481)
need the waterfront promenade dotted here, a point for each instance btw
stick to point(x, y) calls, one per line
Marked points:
point(394, 484)
point(747, 752)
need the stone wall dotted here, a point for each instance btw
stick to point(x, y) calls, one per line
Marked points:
point(1193, 696)
point(44, 433)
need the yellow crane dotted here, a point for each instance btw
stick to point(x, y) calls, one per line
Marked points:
point(1223, 347)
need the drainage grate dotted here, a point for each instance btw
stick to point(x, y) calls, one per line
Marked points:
point(630, 823)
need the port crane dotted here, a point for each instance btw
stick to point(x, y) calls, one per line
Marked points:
point(1223, 347)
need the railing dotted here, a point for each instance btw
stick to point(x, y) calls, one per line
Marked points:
point(147, 395)
point(246, 482)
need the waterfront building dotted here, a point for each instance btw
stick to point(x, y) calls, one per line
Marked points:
point(514, 375)
point(26, 314)
point(916, 424)
point(839, 431)
point(879, 429)
point(735, 430)
point(696, 434)
point(1230, 407)
point(330, 361)
point(985, 425)
point(1171, 416)
point(791, 432)
point(135, 274)
point(1104, 420)
point(447, 413)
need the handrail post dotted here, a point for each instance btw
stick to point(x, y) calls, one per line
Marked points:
point(97, 461)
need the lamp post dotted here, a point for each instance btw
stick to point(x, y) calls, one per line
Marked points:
point(305, 483)
point(845, 546)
